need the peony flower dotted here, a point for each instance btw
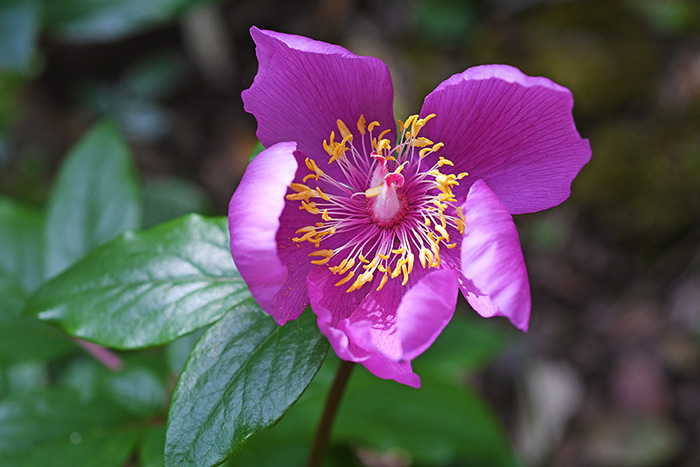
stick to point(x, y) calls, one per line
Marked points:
point(378, 225)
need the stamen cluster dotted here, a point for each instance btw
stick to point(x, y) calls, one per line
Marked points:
point(387, 208)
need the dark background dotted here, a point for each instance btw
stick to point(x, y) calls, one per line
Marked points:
point(609, 373)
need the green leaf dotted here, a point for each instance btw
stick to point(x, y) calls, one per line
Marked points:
point(104, 20)
point(442, 423)
point(148, 288)
point(12, 297)
point(95, 198)
point(257, 149)
point(242, 377)
point(25, 338)
point(467, 344)
point(21, 231)
point(167, 198)
point(437, 424)
point(56, 427)
point(151, 447)
point(19, 28)
point(139, 387)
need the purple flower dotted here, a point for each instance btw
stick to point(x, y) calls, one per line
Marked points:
point(377, 227)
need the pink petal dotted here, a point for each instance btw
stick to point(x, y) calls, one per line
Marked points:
point(513, 131)
point(254, 213)
point(492, 261)
point(304, 86)
point(384, 330)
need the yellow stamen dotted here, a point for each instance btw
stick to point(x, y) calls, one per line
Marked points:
point(345, 279)
point(322, 194)
point(345, 133)
point(385, 277)
point(361, 124)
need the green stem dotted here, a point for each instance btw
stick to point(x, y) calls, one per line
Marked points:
point(323, 431)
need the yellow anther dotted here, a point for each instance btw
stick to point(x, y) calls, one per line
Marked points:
point(421, 142)
point(424, 152)
point(427, 221)
point(372, 126)
point(325, 216)
point(362, 279)
point(311, 164)
point(310, 207)
point(396, 272)
point(322, 194)
point(299, 187)
point(424, 258)
point(399, 251)
point(308, 228)
point(443, 232)
point(372, 192)
point(345, 279)
point(437, 146)
point(404, 270)
point(361, 124)
point(350, 263)
point(449, 246)
point(383, 256)
point(321, 262)
point(362, 258)
point(385, 277)
point(329, 147)
point(338, 268)
point(462, 175)
point(320, 224)
point(444, 161)
point(411, 260)
point(371, 264)
point(305, 237)
point(301, 196)
point(344, 132)
point(409, 121)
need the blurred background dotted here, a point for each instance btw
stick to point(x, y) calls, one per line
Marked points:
point(609, 374)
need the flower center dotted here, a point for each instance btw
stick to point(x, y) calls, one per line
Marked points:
point(382, 208)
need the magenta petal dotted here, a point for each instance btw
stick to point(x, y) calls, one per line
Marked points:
point(253, 219)
point(387, 328)
point(514, 131)
point(304, 86)
point(492, 260)
point(425, 310)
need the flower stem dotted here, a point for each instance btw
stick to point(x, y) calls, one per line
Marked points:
point(332, 402)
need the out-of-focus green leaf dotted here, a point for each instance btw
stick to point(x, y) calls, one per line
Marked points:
point(442, 423)
point(25, 338)
point(152, 447)
point(19, 27)
point(466, 344)
point(242, 377)
point(55, 427)
point(148, 288)
point(177, 352)
point(105, 20)
point(438, 424)
point(257, 149)
point(21, 231)
point(154, 77)
point(22, 377)
point(139, 387)
point(95, 198)
point(168, 198)
point(12, 297)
